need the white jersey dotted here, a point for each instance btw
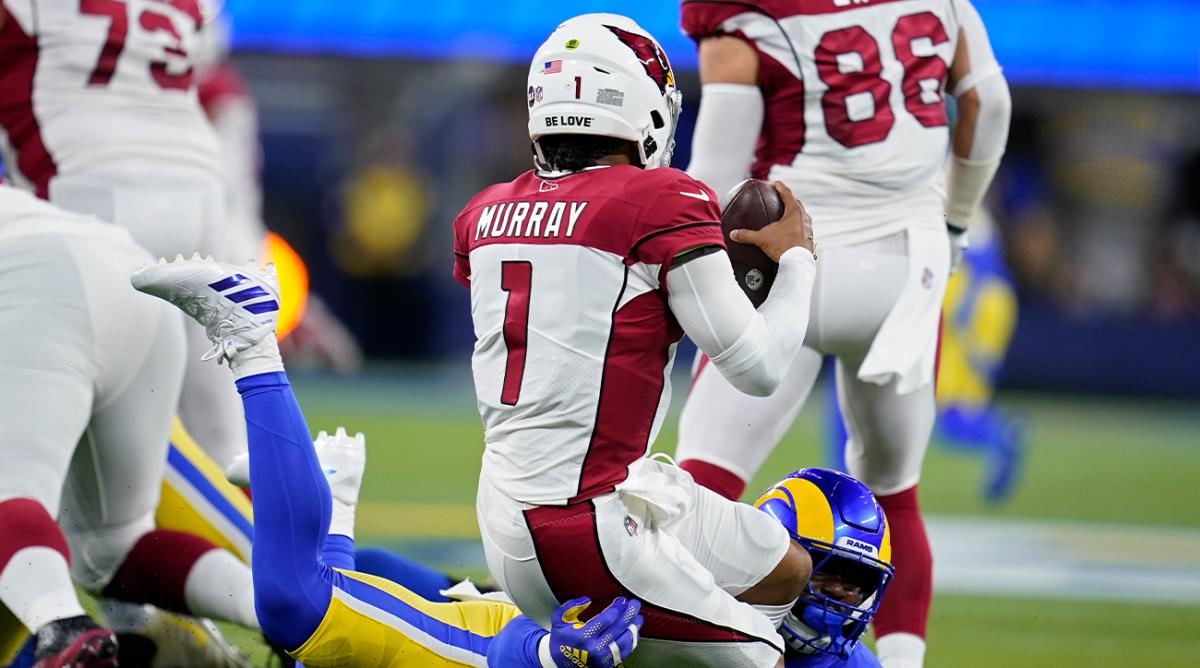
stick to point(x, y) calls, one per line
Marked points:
point(87, 85)
point(574, 335)
point(855, 120)
point(22, 214)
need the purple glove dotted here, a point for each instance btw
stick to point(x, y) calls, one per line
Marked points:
point(603, 641)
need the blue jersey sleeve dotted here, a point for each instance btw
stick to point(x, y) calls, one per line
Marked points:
point(861, 657)
point(517, 644)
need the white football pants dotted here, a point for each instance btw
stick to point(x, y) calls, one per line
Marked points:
point(172, 211)
point(90, 372)
point(684, 551)
point(857, 288)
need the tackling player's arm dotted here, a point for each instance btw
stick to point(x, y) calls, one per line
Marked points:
point(753, 349)
point(981, 128)
point(604, 641)
point(731, 113)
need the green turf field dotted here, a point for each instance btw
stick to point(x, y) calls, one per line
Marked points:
point(1093, 460)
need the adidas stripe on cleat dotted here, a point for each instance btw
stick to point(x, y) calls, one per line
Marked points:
point(237, 306)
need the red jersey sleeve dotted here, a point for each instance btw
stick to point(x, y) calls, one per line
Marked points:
point(679, 213)
point(462, 257)
point(703, 18)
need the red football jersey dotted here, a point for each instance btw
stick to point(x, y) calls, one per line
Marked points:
point(574, 336)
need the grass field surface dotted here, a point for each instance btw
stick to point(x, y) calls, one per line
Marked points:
point(1108, 462)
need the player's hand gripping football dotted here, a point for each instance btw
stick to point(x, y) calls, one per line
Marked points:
point(793, 229)
point(601, 642)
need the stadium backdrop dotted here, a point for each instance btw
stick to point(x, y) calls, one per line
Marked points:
point(1148, 44)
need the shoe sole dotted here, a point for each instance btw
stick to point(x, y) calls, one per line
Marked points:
point(94, 649)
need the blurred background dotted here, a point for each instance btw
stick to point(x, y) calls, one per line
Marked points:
point(1061, 488)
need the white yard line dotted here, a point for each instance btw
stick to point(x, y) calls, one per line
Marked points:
point(1066, 560)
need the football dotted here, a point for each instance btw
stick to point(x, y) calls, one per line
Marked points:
point(751, 205)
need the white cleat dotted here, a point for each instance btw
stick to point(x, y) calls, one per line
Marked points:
point(237, 306)
point(343, 459)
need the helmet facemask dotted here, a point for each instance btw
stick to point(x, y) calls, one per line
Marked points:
point(819, 623)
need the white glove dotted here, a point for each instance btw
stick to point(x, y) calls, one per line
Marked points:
point(959, 243)
point(343, 459)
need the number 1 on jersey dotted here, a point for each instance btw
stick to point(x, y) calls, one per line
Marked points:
point(516, 277)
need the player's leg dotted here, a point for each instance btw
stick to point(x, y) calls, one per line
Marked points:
point(880, 307)
point(292, 503)
point(210, 505)
point(117, 472)
point(888, 435)
point(195, 499)
point(725, 435)
point(292, 507)
point(46, 371)
point(611, 546)
point(990, 432)
point(752, 560)
point(426, 581)
point(304, 604)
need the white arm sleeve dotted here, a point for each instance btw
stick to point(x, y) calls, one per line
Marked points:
point(969, 176)
point(727, 127)
point(752, 349)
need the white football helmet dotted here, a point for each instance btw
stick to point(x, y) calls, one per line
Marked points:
point(602, 74)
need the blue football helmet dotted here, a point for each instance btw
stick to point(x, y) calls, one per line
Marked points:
point(841, 525)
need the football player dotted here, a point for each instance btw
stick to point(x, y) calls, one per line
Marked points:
point(90, 374)
point(309, 598)
point(99, 115)
point(838, 521)
point(584, 274)
point(845, 102)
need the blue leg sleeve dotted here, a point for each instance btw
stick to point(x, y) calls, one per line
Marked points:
point(339, 553)
point(292, 586)
point(417, 577)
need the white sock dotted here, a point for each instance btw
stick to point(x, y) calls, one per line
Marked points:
point(262, 357)
point(220, 586)
point(900, 650)
point(341, 521)
point(36, 586)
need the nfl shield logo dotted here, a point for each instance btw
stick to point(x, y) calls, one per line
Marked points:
point(927, 278)
point(631, 525)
